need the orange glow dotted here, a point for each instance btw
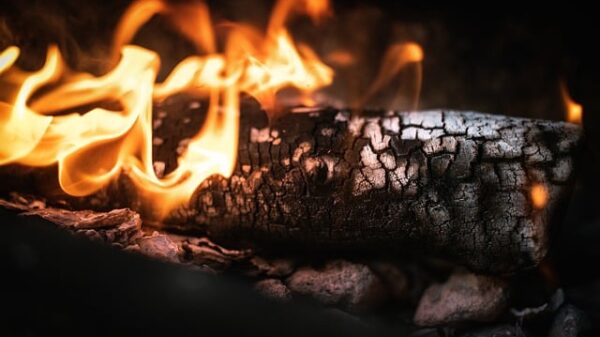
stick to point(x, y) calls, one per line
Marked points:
point(93, 147)
point(574, 110)
point(316, 9)
point(397, 58)
point(539, 196)
point(340, 58)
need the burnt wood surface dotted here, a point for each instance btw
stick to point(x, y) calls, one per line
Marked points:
point(455, 184)
point(441, 183)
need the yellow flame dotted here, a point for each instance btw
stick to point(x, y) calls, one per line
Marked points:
point(92, 147)
point(539, 195)
point(574, 110)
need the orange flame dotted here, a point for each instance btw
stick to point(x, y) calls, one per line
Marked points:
point(396, 58)
point(92, 147)
point(574, 110)
point(315, 9)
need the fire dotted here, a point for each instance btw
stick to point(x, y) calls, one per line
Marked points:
point(315, 9)
point(93, 147)
point(8, 57)
point(539, 196)
point(398, 57)
point(574, 110)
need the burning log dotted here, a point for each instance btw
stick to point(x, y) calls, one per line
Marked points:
point(482, 190)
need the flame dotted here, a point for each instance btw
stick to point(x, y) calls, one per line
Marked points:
point(8, 57)
point(92, 147)
point(317, 10)
point(539, 195)
point(192, 20)
point(397, 57)
point(574, 110)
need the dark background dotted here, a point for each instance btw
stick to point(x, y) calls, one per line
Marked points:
point(504, 58)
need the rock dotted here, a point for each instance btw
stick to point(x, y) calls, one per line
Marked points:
point(464, 297)
point(274, 289)
point(497, 331)
point(273, 268)
point(569, 322)
point(351, 286)
point(159, 246)
point(394, 279)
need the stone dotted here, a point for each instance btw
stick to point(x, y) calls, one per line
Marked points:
point(273, 289)
point(159, 246)
point(348, 285)
point(464, 297)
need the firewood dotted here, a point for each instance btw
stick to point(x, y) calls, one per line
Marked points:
point(460, 185)
point(481, 190)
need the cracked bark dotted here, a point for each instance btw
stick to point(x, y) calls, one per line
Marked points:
point(453, 184)
point(444, 183)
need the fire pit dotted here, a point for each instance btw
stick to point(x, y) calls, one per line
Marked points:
point(280, 155)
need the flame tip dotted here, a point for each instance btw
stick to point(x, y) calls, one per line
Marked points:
point(574, 110)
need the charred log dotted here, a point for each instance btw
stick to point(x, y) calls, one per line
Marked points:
point(456, 184)
point(446, 183)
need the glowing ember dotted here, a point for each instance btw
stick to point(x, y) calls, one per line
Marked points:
point(573, 109)
point(539, 196)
